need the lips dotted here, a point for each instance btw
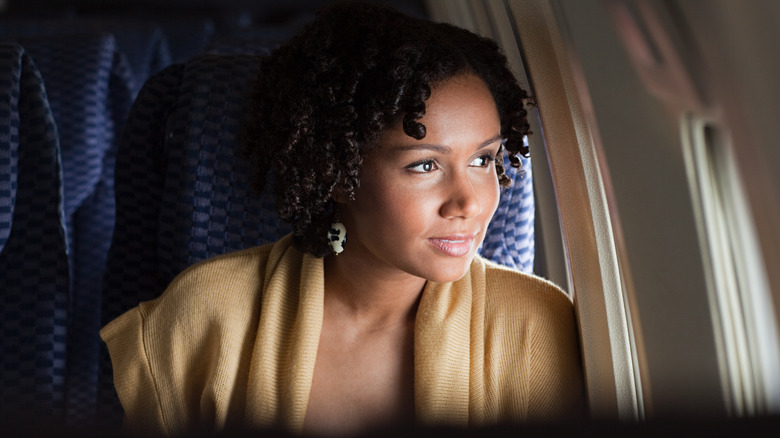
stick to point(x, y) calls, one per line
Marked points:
point(453, 246)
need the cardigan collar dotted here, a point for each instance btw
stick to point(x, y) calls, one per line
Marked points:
point(447, 345)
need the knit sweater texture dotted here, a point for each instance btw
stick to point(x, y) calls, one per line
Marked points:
point(233, 342)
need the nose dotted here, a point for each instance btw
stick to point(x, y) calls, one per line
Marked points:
point(462, 199)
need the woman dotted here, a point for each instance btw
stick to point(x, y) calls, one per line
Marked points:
point(385, 137)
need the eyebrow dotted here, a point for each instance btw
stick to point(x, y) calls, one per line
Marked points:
point(444, 149)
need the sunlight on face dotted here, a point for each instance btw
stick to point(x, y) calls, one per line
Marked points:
point(424, 205)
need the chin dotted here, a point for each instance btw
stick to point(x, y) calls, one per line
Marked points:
point(447, 272)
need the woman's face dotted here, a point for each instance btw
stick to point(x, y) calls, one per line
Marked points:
point(423, 205)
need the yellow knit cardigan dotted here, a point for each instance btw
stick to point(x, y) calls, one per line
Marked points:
point(233, 340)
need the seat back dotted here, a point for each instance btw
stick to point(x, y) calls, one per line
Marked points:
point(34, 278)
point(143, 44)
point(183, 190)
point(509, 239)
point(89, 99)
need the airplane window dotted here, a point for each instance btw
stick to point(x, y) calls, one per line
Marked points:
point(665, 241)
point(578, 250)
point(739, 294)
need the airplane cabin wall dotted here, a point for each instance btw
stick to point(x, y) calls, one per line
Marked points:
point(642, 154)
point(616, 113)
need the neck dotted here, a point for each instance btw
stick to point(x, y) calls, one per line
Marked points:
point(373, 297)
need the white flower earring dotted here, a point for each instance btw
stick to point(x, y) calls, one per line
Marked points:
point(337, 237)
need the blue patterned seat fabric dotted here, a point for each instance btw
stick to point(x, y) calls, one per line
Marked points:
point(132, 265)
point(90, 100)
point(181, 184)
point(510, 237)
point(34, 260)
point(143, 44)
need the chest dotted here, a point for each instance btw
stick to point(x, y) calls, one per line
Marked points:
point(361, 382)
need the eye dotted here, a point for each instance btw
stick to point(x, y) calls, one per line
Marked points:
point(482, 161)
point(425, 166)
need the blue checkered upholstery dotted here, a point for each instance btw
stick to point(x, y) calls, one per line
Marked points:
point(510, 237)
point(34, 260)
point(182, 188)
point(143, 44)
point(208, 206)
point(90, 99)
point(9, 136)
point(141, 164)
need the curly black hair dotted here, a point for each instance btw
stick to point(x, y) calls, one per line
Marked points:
point(321, 101)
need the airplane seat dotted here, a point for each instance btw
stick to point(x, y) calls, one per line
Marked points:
point(184, 191)
point(182, 187)
point(90, 91)
point(209, 206)
point(34, 270)
point(131, 269)
point(509, 239)
point(143, 45)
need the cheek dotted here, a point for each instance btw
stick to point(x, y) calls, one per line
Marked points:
point(383, 203)
point(490, 193)
point(410, 205)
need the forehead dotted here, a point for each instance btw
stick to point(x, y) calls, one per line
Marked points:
point(459, 88)
point(460, 109)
